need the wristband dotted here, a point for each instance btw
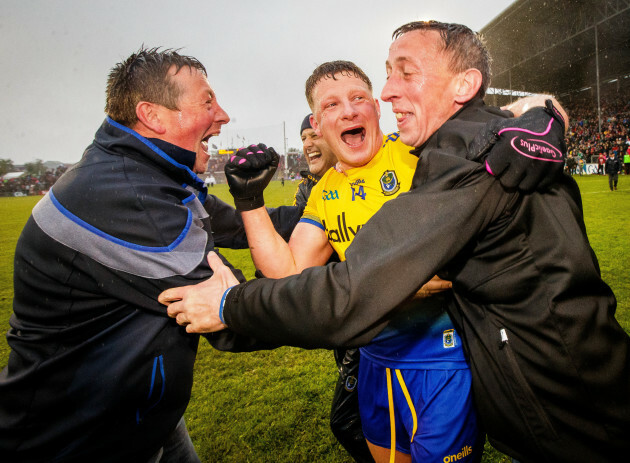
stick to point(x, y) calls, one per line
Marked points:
point(249, 204)
point(223, 304)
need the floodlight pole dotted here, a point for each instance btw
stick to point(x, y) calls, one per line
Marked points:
point(284, 137)
point(599, 109)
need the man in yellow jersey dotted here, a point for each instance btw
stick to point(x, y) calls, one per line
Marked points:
point(414, 382)
point(345, 422)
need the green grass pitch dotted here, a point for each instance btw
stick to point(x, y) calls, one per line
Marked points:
point(273, 406)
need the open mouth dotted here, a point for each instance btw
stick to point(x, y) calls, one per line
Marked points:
point(204, 142)
point(204, 145)
point(354, 136)
point(314, 155)
point(401, 116)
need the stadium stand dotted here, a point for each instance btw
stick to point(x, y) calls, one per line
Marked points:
point(577, 50)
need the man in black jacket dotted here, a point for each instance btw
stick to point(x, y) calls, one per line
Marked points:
point(550, 364)
point(612, 167)
point(97, 371)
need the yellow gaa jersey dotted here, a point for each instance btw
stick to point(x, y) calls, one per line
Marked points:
point(341, 203)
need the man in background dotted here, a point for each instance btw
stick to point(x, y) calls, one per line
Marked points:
point(613, 169)
point(319, 158)
point(601, 160)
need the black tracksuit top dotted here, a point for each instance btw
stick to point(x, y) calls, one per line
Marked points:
point(97, 370)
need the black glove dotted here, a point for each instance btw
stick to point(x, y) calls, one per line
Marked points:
point(525, 152)
point(248, 173)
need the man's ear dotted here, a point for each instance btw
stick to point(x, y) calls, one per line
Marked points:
point(315, 126)
point(149, 115)
point(467, 85)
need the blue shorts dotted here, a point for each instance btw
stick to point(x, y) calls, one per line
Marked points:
point(432, 412)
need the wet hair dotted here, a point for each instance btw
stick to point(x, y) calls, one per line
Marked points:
point(144, 76)
point(465, 47)
point(328, 71)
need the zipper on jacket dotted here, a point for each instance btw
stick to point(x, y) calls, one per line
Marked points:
point(157, 381)
point(526, 392)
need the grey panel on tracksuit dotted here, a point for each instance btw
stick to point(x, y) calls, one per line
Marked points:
point(143, 261)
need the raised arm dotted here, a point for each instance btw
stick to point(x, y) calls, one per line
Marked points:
point(276, 258)
point(248, 173)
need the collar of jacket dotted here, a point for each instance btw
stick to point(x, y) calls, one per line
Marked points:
point(307, 174)
point(180, 155)
point(116, 135)
point(475, 103)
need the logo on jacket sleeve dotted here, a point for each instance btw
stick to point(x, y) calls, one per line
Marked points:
point(389, 183)
point(351, 383)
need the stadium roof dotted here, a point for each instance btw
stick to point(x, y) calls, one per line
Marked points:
point(12, 175)
point(558, 46)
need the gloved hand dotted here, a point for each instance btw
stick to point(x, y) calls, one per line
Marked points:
point(248, 173)
point(525, 152)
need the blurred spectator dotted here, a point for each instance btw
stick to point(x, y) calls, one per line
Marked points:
point(613, 168)
point(31, 184)
point(585, 141)
point(601, 160)
point(571, 164)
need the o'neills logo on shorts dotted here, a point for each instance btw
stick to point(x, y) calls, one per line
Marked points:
point(463, 454)
point(537, 149)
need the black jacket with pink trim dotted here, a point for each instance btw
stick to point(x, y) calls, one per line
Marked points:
point(550, 363)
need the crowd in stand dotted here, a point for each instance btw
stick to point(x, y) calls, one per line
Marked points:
point(28, 185)
point(586, 144)
point(295, 163)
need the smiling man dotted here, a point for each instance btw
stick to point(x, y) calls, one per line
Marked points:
point(345, 422)
point(319, 158)
point(97, 371)
point(420, 353)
